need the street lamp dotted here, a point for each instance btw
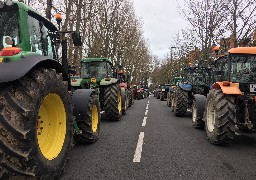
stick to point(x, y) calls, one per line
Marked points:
point(173, 47)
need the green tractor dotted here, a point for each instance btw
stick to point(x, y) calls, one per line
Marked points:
point(196, 81)
point(38, 116)
point(172, 88)
point(100, 75)
point(164, 90)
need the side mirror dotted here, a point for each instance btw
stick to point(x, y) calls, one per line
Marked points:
point(76, 39)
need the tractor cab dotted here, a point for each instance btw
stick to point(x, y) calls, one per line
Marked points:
point(98, 68)
point(243, 68)
point(198, 80)
point(22, 31)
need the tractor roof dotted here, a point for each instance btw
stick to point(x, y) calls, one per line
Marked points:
point(96, 60)
point(243, 50)
point(28, 9)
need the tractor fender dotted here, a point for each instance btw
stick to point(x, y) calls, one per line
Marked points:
point(80, 99)
point(185, 87)
point(15, 70)
point(228, 87)
point(200, 101)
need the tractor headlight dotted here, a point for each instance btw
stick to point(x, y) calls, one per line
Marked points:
point(9, 2)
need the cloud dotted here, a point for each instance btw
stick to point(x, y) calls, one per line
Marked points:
point(161, 21)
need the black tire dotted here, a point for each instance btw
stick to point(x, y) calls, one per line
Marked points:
point(197, 122)
point(222, 130)
point(142, 95)
point(112, 98)
point(180, 103)
point(172, 101)
point(169, 104)
point(130, 98)
point(124, 102)
point(158, 96)
point(162, 97)
point(138, 96)
point(90, 131)
point(21, 102)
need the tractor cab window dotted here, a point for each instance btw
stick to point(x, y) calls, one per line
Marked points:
point(198, 76)
point(221, 69)
point(94, 69)
point(40, 38)
point(9, 29)
point(243, 68)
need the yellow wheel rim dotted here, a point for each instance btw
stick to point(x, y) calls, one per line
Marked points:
point(119, 97)
point(95, 118)
point(51, 126)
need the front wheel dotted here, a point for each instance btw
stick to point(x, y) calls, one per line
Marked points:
point(220, 117)
point(36, 126)
point(88, 118)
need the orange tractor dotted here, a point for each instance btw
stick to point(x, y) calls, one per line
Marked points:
point(231, 103)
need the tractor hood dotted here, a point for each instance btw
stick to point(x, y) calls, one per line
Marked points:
point(108, 81)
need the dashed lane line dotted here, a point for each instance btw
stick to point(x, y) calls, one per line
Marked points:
point(138, 150)
point(144, 121)
point(146, 113)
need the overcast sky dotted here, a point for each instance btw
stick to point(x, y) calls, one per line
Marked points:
point(161, 21)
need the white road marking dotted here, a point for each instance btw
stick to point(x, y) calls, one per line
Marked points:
point(146, 113)
point(138, 150)
point(147, 106)
point(148, 102)
point(144, 121)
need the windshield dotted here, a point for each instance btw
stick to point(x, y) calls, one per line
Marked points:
point(8, 29)
point(243, 68)
point(198, 76)
point(94, 70)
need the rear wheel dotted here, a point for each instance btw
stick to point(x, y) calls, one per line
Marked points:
point(220, 117)
point(180, 103)
point(169, 104)
point(113, 102)
point(158, 95)
point(130, 98)
point(162, 97)
point(90, 127)
point(124, 102)
point(36, 126)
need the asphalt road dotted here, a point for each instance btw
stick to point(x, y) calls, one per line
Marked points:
point(160, 146)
